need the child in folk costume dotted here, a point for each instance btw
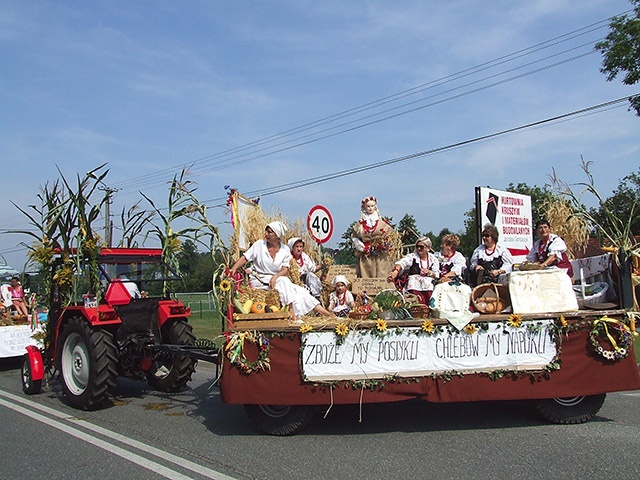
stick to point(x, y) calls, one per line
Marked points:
point(341, 300)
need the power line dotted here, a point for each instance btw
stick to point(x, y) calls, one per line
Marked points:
point(196, 164)
point(352, 171)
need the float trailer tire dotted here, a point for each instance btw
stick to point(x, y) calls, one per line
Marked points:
point(29, 385)
point(570, 410)
point(87, 361)
point(280, 420)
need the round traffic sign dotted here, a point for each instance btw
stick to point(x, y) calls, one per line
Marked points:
point(320, 224)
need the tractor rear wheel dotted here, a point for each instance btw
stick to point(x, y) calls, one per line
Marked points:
point(87, 359)
point(172, 370)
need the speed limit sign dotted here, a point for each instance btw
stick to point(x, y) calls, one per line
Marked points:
point(320, 224)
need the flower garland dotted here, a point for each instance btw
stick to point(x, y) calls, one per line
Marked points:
point(235, 351)
point(616, 333)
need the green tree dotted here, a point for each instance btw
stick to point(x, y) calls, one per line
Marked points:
point(621, 51)
point(437, 241)
point(539, 195)
point(188, 257)
point(408, 230)
point(469, 237)
point(345, 255)
point(621, 204)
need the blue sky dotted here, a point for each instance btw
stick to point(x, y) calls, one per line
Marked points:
point(150, 87)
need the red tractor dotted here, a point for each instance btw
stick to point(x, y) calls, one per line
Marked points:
point(134, 330)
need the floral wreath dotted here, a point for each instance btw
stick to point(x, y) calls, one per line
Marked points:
point(368, 199)
point(235, 351)
point(608, 329)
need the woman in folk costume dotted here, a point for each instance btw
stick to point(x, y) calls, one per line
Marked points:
point(490, 260)
point(422, 269)
point(550, 249)
point(270, 259)
point(371, 241)
point(306, 266)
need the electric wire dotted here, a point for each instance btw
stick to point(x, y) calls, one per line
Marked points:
point(131, 182)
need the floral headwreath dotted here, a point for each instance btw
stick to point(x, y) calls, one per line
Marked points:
point(368, 199)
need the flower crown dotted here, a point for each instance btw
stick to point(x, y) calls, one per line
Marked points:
point(368, 199)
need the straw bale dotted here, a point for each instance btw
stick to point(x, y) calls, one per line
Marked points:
point(573, 229)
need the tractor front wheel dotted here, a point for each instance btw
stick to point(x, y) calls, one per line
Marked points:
point(29, 385)
point(87, 359)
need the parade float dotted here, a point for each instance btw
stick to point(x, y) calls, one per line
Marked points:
point(536, 343)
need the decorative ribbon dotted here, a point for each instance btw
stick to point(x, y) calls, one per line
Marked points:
point(607, 320)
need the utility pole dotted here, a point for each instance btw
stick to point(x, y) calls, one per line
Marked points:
point(108, 224)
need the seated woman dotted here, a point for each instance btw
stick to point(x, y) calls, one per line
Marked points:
point(270, 265)
point(422, 268)
point(490, 260)
point(452, 262)
point(17, 297)
point(306, 266)
point(549, 249)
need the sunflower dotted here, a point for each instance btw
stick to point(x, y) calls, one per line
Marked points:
point(470, 329)
point(563, 322)
point(225, 285)
point(305, 327)
point(342, 329)
point(428, 326)
point(381, 325)
point(515, 320)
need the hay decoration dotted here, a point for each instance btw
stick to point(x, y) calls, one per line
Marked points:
point(395, 240)
point(311, 248)
point(256, 222)
point(564, 222)
point(270, 297)
point(294, 272)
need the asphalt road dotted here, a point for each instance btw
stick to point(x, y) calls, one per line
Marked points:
point(146, 435)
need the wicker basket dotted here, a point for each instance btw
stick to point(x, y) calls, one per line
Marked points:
point(358, 316)
point(491, 298)
point(419, 311)
point(598, 293)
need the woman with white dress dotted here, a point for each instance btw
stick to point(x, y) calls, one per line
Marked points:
point(306, 266)
point(270, 259)
point(452, 262)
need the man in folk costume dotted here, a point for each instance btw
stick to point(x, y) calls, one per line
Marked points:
point(371, 241)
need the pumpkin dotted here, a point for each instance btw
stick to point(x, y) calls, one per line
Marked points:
point(258, 307)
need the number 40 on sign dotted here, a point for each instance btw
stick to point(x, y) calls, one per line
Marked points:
point(320, 224)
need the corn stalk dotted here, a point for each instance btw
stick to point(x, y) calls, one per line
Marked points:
point(618, 233)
